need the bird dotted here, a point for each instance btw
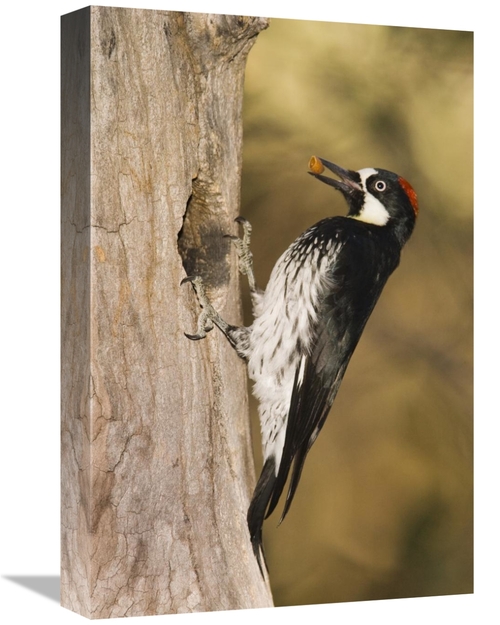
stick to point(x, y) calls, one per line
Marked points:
point(309, 319)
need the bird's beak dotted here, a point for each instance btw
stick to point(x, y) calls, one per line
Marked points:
point(349, 182)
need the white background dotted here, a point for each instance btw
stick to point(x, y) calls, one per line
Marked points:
point(29, 307)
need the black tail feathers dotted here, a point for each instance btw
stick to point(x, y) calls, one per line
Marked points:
point(259, 507)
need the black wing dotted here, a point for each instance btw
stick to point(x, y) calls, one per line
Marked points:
point(315, 386)
point(317, 380)
point(357, 278)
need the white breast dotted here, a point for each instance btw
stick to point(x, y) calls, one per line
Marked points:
point(287, 314)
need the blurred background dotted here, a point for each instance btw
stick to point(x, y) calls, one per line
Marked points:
point(384, 507)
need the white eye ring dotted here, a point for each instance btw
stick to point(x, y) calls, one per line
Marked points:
point(380, 185)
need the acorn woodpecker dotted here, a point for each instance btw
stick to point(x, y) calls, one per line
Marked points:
point(310, 318)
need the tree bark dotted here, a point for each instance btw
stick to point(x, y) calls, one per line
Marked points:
point(157, 468)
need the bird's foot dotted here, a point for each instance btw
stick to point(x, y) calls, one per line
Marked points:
point(208, 315)
point(242, 245)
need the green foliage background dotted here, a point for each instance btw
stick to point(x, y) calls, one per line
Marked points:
point(384, 508)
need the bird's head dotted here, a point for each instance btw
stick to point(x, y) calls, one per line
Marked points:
point(375, 196)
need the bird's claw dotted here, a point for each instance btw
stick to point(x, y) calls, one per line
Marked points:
point(208, 313)
point(197, 337)
point(242, 245)
point(209, 316)
point(192, 279)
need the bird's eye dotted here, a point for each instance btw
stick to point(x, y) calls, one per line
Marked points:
point(380, 185)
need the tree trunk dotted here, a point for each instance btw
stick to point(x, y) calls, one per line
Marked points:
point(157, 468)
